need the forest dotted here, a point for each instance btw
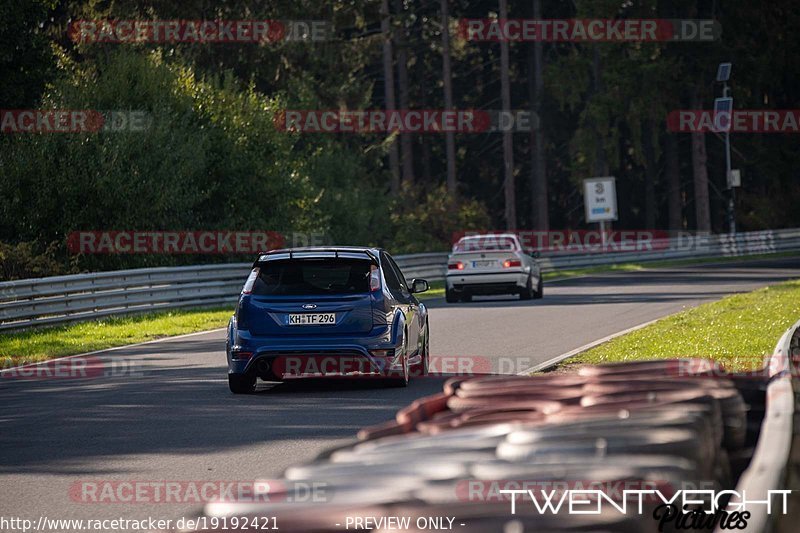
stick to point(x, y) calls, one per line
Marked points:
point(211, 154)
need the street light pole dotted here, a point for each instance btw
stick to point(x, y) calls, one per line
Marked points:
point(726, 104)
point(732, 197)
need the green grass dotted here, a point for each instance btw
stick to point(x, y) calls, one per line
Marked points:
point(738, 331)
point(46, 343)
point(436, 290)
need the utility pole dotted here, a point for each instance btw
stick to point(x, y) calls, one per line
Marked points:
point(725, 105)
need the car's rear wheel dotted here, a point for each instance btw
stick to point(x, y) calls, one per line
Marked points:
point(402, 381)
point(450, 296)
point(422, 368)
point(527, 292)
point(242, 383)
point(539, 289)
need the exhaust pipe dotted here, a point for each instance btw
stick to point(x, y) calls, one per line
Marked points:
point(262, 368)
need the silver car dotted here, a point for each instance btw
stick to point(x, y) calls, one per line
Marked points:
point(492, 264)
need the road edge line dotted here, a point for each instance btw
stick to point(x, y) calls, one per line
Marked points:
point(555, 360)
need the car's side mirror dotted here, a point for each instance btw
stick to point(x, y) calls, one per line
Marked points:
point(536, 254)
point(419, 285)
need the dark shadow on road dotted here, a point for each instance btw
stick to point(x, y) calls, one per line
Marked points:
point(70, 425)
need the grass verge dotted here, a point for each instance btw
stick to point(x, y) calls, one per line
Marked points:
point(47, 343)
point(436, 290)
point(737, 331)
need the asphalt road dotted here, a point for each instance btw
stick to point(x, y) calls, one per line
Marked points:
point(170, 417)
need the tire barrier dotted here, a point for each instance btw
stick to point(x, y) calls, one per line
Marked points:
point(669, 425)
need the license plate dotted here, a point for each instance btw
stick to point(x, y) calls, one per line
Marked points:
point(312, 319)
point(483, 264)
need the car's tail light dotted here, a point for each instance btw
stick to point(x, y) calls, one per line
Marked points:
point(509, 263)
point(251, 280)
point(239, 354)
point(458, 265)
point(374, 278)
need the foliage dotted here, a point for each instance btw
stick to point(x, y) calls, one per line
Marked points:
point(212, 158)
point(422, 226)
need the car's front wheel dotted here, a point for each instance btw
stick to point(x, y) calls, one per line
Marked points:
point(539, 289)
point(242, 383)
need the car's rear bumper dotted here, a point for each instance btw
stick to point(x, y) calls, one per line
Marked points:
point(487, 282)
point(281, 358)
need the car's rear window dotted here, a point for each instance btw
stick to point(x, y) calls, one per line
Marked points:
point(486, 243)
point(313, 277)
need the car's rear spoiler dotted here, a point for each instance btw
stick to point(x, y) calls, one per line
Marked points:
point(274, 255)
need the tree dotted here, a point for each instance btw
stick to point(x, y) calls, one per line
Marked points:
point(673, 182)
point(388, 91)
point(447, 84)
point(508, 146)
point(700, 174)
point(406, 147)
point(538, 176)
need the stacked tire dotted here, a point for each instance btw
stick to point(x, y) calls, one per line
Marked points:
point(671, 425)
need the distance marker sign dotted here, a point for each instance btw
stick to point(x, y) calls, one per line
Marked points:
point(600, 199)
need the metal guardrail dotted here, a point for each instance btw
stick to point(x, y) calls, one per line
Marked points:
point(60, 299)
point(768, 467)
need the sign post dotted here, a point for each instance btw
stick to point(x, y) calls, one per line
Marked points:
point(600, 202)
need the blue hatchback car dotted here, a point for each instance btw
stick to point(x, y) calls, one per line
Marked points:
point(324, 312)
